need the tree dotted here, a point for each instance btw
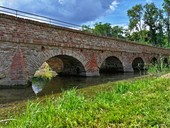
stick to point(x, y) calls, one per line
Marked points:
point(135, 36)
point(160, 26)
point(102, 29)
point(137, 27)
point(105, 29)
point(117, 32)
point(87, 28)
point(135, 17)
point(151, 15)
point(166, 7)
point(143, 18)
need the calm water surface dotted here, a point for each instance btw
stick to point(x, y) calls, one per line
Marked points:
point(58, 84)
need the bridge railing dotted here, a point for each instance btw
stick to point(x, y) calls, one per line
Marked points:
point(39, 18)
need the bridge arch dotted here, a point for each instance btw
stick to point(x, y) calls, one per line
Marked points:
point(66, 65)
point(138, 64)
point(103, 56)
point(154, 61)
point(165, 62)
point(111, 64)
point(69, 62)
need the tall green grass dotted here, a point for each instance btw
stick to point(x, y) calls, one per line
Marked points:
point(138, 103)
point(159, 67)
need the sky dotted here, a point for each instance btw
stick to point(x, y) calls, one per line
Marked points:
point(80, 11)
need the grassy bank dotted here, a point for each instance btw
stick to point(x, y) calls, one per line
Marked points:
point(141, 102)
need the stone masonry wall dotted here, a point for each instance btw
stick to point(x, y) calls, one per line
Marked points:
point(26, 44)
point(26, 31)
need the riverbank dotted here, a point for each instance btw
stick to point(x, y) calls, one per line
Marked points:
point(139, 102)
point(166, 76)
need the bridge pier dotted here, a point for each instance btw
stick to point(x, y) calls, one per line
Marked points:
point(94, 73)
point(16, 74)
point(128, 68)
point(91, 66)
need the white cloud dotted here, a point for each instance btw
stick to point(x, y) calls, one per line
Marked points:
point(74, 11)
point(60, 1)
point(148, 1)
point(113, 5)
point(124, 26)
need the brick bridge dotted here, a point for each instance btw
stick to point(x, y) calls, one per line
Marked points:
point(25, 45)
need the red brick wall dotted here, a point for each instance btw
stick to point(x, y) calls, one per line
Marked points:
point(26, 44)
point(26, 31)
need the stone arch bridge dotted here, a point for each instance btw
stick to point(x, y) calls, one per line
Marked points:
point(26, 44)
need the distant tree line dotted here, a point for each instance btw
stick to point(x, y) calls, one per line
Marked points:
point(147, 24)
point(105, 29)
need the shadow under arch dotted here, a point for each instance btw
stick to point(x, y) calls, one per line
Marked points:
point(35, 61)
point(138, 64)
point(165, 62)
point(154, 61)
point(66, 65)
point(111, 64)
point(63, 65)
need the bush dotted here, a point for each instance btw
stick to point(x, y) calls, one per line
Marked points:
point(45, 72)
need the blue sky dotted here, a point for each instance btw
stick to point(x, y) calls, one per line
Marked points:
point(80, 11)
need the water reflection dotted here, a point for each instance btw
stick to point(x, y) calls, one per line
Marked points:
point(38, 84)
point(57, 84)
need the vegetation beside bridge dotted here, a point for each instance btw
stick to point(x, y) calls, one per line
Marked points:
point(148, 24)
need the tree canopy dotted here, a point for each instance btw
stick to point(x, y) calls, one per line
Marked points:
point(147, 24)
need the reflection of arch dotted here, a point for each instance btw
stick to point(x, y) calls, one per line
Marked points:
point(154, 61)
point(111, 64)
point(36, 60)
point(138, 64)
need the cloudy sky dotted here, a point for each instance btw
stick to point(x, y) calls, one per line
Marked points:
point(80, 11)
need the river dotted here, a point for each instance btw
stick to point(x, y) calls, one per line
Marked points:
point(57, 85)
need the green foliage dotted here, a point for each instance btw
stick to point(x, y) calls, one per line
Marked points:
point(104, 29)
point(151, 18)
point(87, 28)
point(126, 104)
point(166, 7)
point(166, 41)
point(136, 36)
point(142, 18)
point(147, 25)
point(160, 35)
point(117, 32)
point(159, 67)
point(45, 72)
point(135, 17)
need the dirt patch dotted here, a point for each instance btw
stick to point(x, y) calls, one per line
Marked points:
point(166, 76)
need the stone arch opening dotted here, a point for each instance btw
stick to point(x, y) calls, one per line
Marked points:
point(154, 61)
point(63, 65)
point(138, 64)
point(165, 62)
point(111, 64)
point(66, 65)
